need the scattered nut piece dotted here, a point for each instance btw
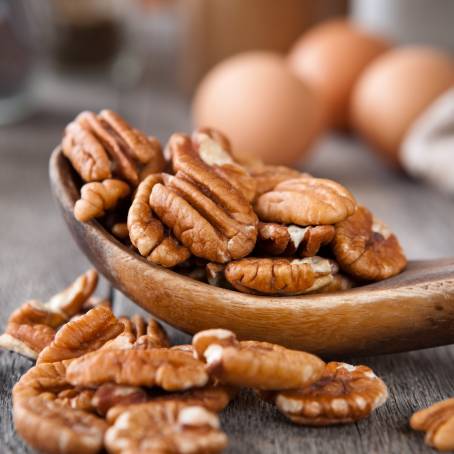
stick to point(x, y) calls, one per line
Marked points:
point(120, 230)
point(154, 337)
point(207, 215)
point(215, 150)
point(33, 325)
point(166, 427)
point(365, 248)
point(279, 239)
point(258, 365)
point(52, 427)
point(438, 423)
point(342, 395)
point(168, 369)
point(96, 198)
point(306, 201)
point(85, 334)
point(213, 398)
point(280, 276)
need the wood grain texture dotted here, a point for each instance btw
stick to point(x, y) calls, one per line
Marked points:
point(38, 257)
point(412, 310)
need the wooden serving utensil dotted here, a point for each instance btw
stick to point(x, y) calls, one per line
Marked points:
point(410, 311)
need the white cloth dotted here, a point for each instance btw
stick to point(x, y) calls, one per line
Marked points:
point(428, 149)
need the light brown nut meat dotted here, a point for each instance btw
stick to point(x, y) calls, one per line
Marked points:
point(166, 427)
point(155, 337)
point(278, 239)
point(32, 326)
point(147, 232)
point(110, 395)
point(214, 149)
point(134, 143)
point(344, 394)
point(86, 154)
point(438, 423)
point(169, 253)
point(170, 370)
point(78, 399)
point(48, 379)
point(267, 177)
point(122, 162)
point(52, 427)
point(280, 276)
point(258, 365)
point(206, 214)
point(96, 198)
point(213, 397)
point(306, 201)
point(85, 334)
point(365, 248)
point(340, 283)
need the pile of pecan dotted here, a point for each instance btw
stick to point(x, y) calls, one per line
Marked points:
point(103, 383)
point(201, 210)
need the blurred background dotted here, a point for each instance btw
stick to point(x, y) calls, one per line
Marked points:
point(359, 91)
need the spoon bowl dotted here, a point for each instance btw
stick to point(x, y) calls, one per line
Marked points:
point(410, 311)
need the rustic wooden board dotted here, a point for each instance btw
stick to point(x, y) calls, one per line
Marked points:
point(38, 257)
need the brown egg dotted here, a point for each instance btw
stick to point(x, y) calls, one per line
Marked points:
point(263, 108)
point(331, 57)
point(394, 90)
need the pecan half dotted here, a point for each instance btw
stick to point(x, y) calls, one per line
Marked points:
point(33, 325)
point(165, 427)
point(278, 239)
point(365, 248)
point(147, 232)
point(306, 201)
point(82, 335)
point(258, 365)
point(50, 426)
point(280, 276)
point(213, 398)
point(168, 369)
point(342, 395)
point(96, 198)
point(204, 211)
point(438, 423)
point(215, 150)
point(267, 177)
point(85, 153)
point(103, 145)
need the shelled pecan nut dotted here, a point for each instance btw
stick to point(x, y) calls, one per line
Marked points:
point(33, 325)
point(85, 334)
point(279, 239)
point(168, 427)
point(98, 197)
point(438, 423)
point(343, 394)
point(103, 145)
point(207, 214)
point(214, 149)
point(267, 177)
point(168, 369)
point(365, 248)
point(306, 201)
point(146, 231)
point(51, 426)
point(258, 365)
point(280, 276)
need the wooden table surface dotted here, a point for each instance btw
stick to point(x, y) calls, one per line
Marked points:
point(38, 257)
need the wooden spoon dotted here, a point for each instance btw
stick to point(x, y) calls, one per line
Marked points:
point(411, 311)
